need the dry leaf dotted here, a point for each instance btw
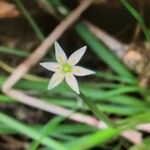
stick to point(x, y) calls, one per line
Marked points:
point(8, 10)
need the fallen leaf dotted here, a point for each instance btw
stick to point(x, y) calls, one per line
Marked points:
point(8, 10)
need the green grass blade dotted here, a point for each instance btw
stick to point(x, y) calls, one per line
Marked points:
point(33, 24)
point(134, 120)
point(101, 51)
point(13, 51)
point(110, 76)
point(47, 130)
point(76, 129)
point(28, 131)
point(95, 110)
point(92, 140)
point(138, 17)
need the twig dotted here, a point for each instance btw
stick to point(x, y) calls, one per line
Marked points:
point(134, 57)
point(41, 104)
point(134, 136)
point(144, 127)
point(78, 117)
point(113, 44)
point(43, 48)
point(27, 76)
point(27, 15)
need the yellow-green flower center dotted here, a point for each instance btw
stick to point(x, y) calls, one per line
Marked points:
point(66, 68)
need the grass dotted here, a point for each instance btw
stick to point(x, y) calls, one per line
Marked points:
point(12, 51)
point(30, 20)
point(46, 130)
point(30, 132)
point(114, 93)
point(138, 18)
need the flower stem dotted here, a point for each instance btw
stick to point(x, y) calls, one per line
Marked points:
point(96, 111)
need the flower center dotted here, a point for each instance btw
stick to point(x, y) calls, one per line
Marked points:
point(66, 68)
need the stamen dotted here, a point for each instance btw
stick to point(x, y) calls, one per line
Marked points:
point(66, 68)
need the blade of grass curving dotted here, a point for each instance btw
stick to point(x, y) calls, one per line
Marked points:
point(60, 136)
point(121, 110)
point(138, 17)
point(30, 132)
point(13, 51)
point(117, 107)
point(103, 94)
point(46, 130)
point(92, 140)
point(96, 111)
point(134, 120)
point(110, 76)
point(127, 100)
point(107, 108)
point(64, 129)
point(33, 24)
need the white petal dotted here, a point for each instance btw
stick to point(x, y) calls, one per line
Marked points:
point(72, 82)
point(60, 54)
point(56, 79)
point(52, 66)
point(80, 71)
point(76, 56)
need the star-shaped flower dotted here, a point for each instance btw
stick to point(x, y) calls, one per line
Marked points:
point(66, 68)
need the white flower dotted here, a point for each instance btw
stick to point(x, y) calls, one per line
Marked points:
point(65, 68)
